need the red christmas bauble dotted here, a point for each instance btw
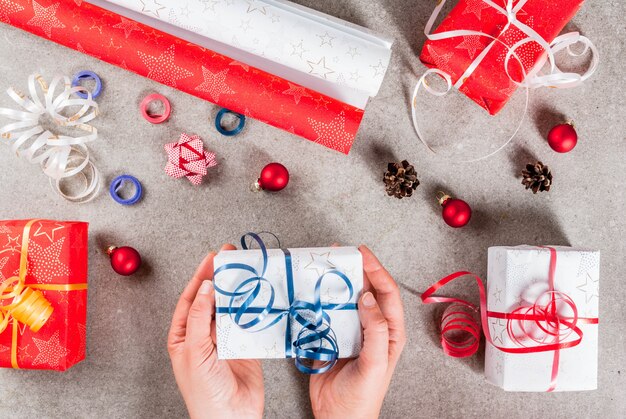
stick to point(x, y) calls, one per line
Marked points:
point(124, 260)
point(274, 177)
point(456, 212)
point(563, 138)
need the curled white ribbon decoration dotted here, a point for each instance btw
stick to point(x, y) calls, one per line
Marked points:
point(60, 156)
point(533, 79)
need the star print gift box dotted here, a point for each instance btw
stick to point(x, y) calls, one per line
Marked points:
point(483, 76)
point(43, 294)
point(289, 303)
point(542, 308)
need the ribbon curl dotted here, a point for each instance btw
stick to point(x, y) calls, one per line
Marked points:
point(316, 340)
point(460, 331)
point(60, 156)
point(533, 79)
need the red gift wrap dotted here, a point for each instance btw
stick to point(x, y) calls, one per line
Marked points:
point(187, 67)
point(43, 294)
point(489, 85)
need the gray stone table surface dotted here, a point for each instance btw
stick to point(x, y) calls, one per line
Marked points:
point(332, 197)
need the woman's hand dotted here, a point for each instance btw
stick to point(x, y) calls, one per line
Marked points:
point(356, 388)
point(211, 388)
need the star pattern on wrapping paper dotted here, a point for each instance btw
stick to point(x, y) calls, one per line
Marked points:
point(588, 261)
point(187, 158)
point(332, 134)
point(50, 351)
point(4, 348)
point(13, 243)
point(322, 103)
point(298, 49)
point(440, 60)
point(326, 39)
point(498, 327)
point(527, 53)
point(151, 6)
point(45, 264)
point(7, 7)
point(48, 230)
point(3, 263)
point(320, 263)
point(45, 18)
point(329, 297)
point(23, 354)
point(215, 84)
point(379, 69)
point(353, 52)
point(497, 295)
point(476, 7)
point(271, 351)
point(163, 68)
point(256, 6)
point(298, 92)
point(242, 65)
point(591, 288)
point(319, 68)
point(471, 44)
point(128, 26)
point(209, 5)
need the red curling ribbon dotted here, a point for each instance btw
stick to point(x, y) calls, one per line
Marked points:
point(460, 330)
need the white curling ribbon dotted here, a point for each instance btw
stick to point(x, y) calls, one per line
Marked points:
point(533, 79)
point(60, 156)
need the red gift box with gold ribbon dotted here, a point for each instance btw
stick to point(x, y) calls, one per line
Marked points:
point(43, 294)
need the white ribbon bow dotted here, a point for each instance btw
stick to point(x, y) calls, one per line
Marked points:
point(60, 156)
point(533, 79)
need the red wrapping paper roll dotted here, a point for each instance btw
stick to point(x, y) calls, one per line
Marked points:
point(187, 67)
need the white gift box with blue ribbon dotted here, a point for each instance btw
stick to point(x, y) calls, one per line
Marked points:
point(289, 303)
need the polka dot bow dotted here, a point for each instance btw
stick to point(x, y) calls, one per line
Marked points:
point(188, 158)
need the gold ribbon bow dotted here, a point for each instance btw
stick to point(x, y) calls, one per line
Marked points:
point(21, 303)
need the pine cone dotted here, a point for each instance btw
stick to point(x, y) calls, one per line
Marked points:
point(400, 179)
point(537, 177)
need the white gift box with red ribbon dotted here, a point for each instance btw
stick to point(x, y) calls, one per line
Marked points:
point(564, 315)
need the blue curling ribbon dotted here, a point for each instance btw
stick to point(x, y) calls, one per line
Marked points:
point(316, 340)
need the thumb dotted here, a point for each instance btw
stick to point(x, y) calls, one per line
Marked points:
point(198, 337)
point(375, 353)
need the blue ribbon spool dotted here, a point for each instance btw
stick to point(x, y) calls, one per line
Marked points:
point(118, 183)
point(222, 130)
point(316, 340)
point(86, 75)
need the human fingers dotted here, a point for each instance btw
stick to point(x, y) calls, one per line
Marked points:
point(198, 337)
point(179, 319)
point(374, 355)
point(388, 296)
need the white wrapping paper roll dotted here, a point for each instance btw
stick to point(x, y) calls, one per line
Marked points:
point(334, 57)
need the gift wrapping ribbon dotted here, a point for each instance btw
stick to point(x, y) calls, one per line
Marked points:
point(60, 156)
point(21, 303)
point(316, 340)
point(554, 327)
point(533, 79)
